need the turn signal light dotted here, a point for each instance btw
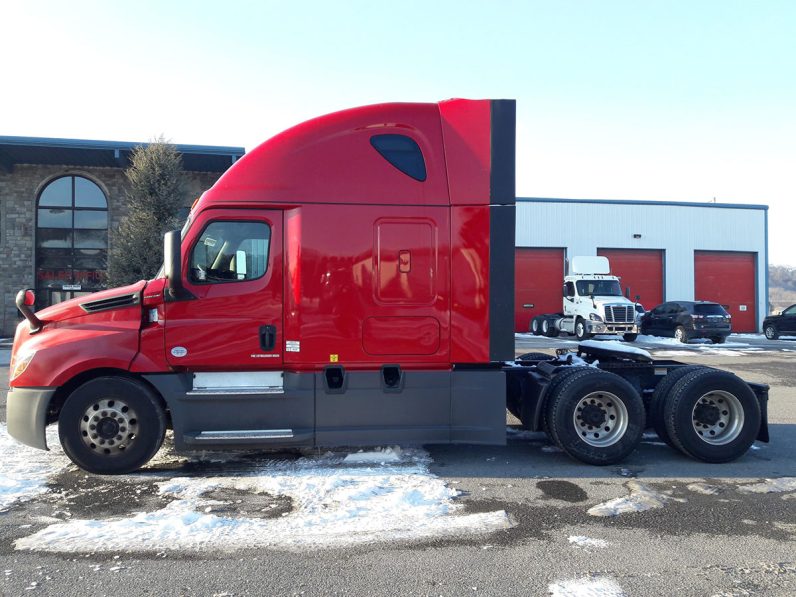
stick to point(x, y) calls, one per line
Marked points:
point(19, 364)
point(30, 298)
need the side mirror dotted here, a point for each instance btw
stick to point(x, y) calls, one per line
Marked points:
point(172, 267)
point(564, 291)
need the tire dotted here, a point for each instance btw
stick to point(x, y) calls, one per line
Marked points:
point(536, 326)
point(548, 329)
point(719, 339)
point(129, 424)
point(605, 399)
point(580, 329)
point(712, 416)
point(534, 356)
point(630, 337)
point(680, 334)
point(659, 397)
point(771, 332)
point(551, 389)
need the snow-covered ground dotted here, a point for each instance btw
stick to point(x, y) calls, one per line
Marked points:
point(335, 500)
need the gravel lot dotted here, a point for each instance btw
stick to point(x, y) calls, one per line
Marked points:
point(717, 530)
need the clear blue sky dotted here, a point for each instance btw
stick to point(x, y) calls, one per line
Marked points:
point(663, 100)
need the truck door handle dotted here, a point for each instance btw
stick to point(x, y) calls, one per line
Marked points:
point(267, 337)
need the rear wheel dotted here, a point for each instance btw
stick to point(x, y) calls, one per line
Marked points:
point(595, 416)
point(661, 395)
point(680, 334)
point(580, 329)
point(719, 339)
point(712, 415)
point(536, 326)
point(111, 425)
point(630, 337)
point(771, 332)
point(549, 329)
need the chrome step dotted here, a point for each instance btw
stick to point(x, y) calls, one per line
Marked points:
point(247, 434)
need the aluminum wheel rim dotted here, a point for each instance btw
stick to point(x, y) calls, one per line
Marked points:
point(717, 418)
point(613, 425)
point(679, 335)
point(109, 426)
point(580, 329)
point(770, 332)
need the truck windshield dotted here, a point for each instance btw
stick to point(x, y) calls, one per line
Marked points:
point(598, 288)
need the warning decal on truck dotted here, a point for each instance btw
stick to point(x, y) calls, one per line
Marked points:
point(292, 346)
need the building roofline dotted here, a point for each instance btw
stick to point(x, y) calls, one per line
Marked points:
point(643, 202)
point(122, 145)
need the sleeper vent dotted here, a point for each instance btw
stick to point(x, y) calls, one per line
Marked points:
point(116, 302)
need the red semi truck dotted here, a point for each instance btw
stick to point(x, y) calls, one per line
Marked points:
point(349, 282)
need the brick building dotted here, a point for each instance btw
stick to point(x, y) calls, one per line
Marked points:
point(60, 200)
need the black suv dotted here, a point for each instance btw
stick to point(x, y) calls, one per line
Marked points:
point(783, 324)
point(685, 320)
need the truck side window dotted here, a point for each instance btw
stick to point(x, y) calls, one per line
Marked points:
point(230, 252)
point(403, 153)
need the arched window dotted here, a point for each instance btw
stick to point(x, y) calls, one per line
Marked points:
point(71, 240)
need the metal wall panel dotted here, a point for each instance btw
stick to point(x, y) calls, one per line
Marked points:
point(677, 229)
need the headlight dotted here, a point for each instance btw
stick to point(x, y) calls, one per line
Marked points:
point(595, 317)
point(19, 363)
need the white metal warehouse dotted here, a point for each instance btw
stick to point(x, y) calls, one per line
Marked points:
point(662, 251)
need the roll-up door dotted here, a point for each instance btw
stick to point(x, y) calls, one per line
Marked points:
point(728, 278)
point(538, 278)
point(641, 270)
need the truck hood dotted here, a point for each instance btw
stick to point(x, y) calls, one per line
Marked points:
point(601, 301)
point(105, 300)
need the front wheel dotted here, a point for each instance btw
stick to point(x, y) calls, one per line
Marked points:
point(630, 337)
point(580, 330)
point(111, 425)
point(771, 332)
point(680, 334)
point(595, 416)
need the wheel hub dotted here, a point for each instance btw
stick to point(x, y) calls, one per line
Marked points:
point(109, 426)
point(593, 415)
point(600, 419)
point(717, 418)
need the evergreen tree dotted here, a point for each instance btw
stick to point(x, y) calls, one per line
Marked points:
point(156, 194)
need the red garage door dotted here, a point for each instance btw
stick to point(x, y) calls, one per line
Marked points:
point(641, 270)
point(538, 278)
point(728, 278)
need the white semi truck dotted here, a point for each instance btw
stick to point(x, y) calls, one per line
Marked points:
point(593, 304)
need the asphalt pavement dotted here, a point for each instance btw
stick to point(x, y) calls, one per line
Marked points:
point(717, 529)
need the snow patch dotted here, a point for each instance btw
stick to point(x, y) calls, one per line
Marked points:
point(641, 498)
point(582, 541)
point(335, 504)
point(704, 488)
point(383, 456)
point(600, 586)
point(24, 471)
point(783, 484)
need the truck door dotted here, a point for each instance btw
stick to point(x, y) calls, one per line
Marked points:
point(232, 318)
